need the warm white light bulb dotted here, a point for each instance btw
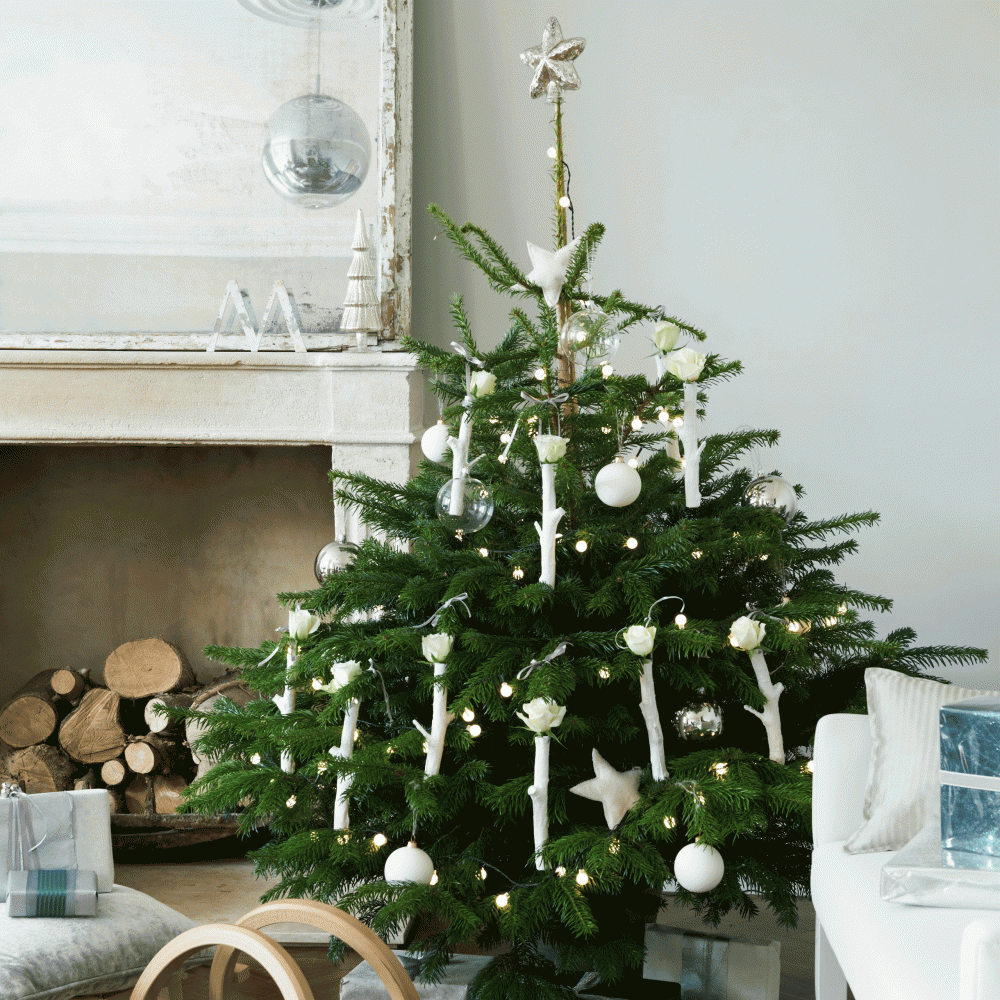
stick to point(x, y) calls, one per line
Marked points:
point(663, 417)
point(604, 673)
point(357, 735)
point(518, 573)
point(697, 554)
point(255, 759)
point(678, 422)
point(468, 715)
point(564, 202)
point(637, 423)
point(581, 545)
point(631, 543)
point(482, 874)
point(680, 620)
point(540, 374)
point(551, 152)
point(830, 622)
point(290, 801)
point(720, 769)
point(321, 767)
point(669, 822)
point(484, 552)
point(502, 459)
point(607, 371)
point(582, 878)
point(763, 558)
point(434, 878)
point(633, 463)
point(317, 683)
point(502, 900)
point(506, 690)
point(841, 609)
point(505, 438)
point(425, 746)
point(475, 729)
point(605, 430)
point(808, 767)
point(380, 840)
point(560, 871)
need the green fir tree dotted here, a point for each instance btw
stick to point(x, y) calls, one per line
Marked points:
point(551, 604)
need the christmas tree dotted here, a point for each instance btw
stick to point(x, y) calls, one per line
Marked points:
point(581, 655)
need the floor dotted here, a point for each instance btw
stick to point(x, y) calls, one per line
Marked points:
point(212, 891)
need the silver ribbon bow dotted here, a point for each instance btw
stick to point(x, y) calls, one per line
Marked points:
point(525, 672)
point(436, 617)
point(554, 400)
point(467, 354)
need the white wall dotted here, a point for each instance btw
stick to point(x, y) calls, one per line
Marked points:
point(812, 182)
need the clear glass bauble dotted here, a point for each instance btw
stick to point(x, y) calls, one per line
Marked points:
point(591, 332)
point(464, 504)
point(701, 720)
point(316, 151)
point(773, 492)
point(333, 558)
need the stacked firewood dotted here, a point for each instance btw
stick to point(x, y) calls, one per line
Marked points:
point(62, 731)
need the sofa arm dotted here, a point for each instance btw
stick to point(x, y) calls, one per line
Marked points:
point(841, 752)
point(979, 966)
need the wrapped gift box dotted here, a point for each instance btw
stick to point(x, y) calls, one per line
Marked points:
point(970, 782)
point(47, 892)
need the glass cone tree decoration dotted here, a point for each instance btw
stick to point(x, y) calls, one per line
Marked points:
point(549, 652)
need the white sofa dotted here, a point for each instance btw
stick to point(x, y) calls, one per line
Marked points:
point(885, 951)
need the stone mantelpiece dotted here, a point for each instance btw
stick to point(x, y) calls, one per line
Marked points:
point(366, 406)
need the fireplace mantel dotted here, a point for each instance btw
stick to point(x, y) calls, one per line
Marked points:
point(367, 406)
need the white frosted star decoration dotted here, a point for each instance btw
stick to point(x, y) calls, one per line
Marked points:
point(552, 62)
point(617, 791)
point(548, 269)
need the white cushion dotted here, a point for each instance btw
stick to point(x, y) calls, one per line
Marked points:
point(60, 957)
point(887, 950)
point(903, 792)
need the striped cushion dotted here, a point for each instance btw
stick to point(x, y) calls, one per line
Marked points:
point(902, 795)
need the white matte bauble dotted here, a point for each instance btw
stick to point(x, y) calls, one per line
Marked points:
point(409, 864)
point(434, 442)
point(617, 484)
point(698, 867)
point(773, 492)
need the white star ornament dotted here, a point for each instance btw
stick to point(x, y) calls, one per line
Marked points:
point(548, 269)
point(617, 791)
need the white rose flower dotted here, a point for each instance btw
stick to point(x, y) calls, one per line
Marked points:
point(746, 634)
point(482, 383)
point(686, 364)
point(436, 647)
point(542, 716)
point(344, 673)
point(639, 638)
point(665, 335)
point(551, 447)
point(301, 623)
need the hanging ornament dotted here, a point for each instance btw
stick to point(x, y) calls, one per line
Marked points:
point(552, 62)
point(773, 492)
point(434, 442)
point(701, 720)
point(591, 332)
point(617, 484)
point(409, 864)
point(617, 791)
point(475, 504)
point(698, 867)
point(334, 557)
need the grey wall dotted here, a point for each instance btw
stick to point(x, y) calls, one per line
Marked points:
point(814, 184)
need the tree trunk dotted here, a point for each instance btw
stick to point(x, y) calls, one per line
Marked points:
point(147, 667)
point(41, 768)
point(92, 732)
point(33, 712)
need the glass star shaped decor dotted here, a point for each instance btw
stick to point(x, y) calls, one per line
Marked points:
point(552, 62)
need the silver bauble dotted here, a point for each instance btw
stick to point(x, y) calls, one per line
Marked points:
point(334, 558)
point(475, 504)
point(316, 151)
point(773, 492)
point(434, 442)
point(592, 333)
point(701, 720)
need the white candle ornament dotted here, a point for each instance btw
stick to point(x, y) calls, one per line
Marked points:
point(747, 634)
point(542, 716)
point(300, 625)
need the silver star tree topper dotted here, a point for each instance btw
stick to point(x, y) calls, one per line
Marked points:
point(552, 62)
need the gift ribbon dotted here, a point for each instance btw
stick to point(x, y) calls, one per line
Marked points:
point(960, 779)
point(553, 401)
point(20, 851)
point(436, 617)
point(525, 672)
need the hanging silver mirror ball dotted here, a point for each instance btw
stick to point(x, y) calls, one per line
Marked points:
point(333, 558)
point(316, 151)
point(700, 720)
point(773, 492)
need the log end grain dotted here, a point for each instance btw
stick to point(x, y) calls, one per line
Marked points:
point(146, 667)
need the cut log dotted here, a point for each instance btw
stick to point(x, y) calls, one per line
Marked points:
point(113, 772)
point(161, 723)
point(151, 754)
point(139, 795)
point(147, 667)
point(92, 732)
point(69, 684)
point(88, 780)
point(41, 768)
point(117, 800)
point(33, 712)
point(168, 792)
point(230, 684)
